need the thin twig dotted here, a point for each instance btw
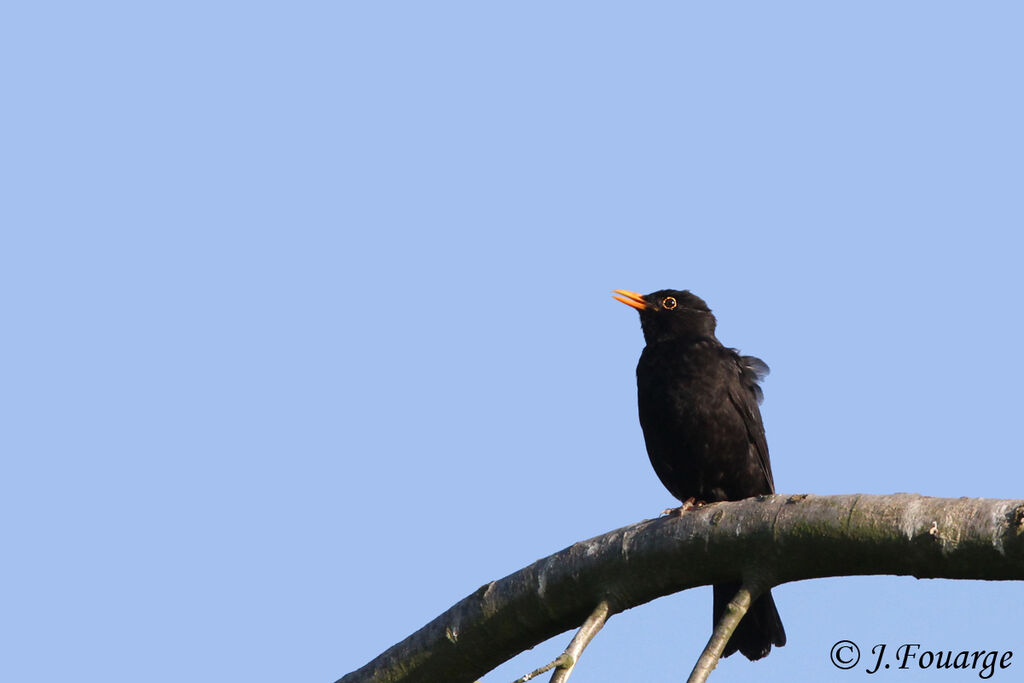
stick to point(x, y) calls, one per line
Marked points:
point(730, 619)
point(561, 660)
point(580, 641)
point(565, 662)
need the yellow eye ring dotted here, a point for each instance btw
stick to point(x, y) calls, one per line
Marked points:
point(668, 303)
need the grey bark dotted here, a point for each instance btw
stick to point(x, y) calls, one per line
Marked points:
point(724, 628)
point(770, 539)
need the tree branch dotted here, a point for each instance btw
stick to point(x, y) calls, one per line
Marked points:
point(730, 619)
point(778, 538)
point(590, 627)
point(566, 662)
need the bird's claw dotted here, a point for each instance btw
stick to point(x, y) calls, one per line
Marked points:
point(688, 504)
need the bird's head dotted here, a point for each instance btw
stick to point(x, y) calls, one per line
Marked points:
point(670, 314)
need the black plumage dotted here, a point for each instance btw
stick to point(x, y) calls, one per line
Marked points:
point(698, 403)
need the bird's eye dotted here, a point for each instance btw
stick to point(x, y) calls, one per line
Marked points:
point(668, 303)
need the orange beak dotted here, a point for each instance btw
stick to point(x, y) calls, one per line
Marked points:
point(631, 299)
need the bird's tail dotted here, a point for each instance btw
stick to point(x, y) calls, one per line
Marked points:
point(759, 629)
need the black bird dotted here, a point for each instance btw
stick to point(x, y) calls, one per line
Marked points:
point(699, 412)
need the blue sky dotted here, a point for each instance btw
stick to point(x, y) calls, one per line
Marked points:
point(309, 332)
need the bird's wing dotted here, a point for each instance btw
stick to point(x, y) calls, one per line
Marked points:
point(745, 394)
point(752, 372)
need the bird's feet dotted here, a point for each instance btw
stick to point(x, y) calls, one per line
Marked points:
point(688, 504)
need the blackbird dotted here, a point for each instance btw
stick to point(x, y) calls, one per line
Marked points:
point(699, 413)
